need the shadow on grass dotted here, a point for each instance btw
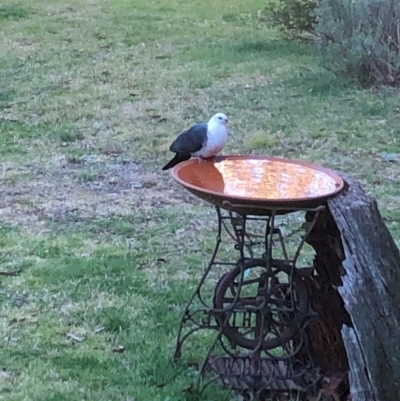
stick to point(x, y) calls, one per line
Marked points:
point(305, 75)
point(320, 83)
point(14, 12)
point(243, 50)
point(278, 48)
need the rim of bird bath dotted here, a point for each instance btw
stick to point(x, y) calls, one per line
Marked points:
point(254, 184)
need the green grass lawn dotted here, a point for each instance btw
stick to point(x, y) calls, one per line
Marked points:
point(108, 247)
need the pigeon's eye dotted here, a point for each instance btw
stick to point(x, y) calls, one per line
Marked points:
point(220, 118)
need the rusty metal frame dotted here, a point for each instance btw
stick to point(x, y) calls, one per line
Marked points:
point(283, 319)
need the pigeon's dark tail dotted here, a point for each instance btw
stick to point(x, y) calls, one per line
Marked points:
point(179, 157)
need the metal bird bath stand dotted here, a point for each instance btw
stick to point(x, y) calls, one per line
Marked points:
point(254, 306)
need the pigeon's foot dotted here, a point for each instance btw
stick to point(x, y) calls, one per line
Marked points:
point(217, 159)
point(201, 160)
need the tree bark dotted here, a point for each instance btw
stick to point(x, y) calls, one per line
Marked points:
point(370, 291)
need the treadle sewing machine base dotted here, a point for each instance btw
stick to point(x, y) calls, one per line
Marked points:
point(254, 306)
point(259, 310)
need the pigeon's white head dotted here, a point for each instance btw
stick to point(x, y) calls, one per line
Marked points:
point(219, 118)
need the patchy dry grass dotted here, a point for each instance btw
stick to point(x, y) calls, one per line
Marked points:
point(92, 93)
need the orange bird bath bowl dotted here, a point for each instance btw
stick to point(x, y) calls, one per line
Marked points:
point(257, 184)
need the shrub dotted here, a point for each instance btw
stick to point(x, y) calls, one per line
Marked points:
point(361, 38)
point(295, 16)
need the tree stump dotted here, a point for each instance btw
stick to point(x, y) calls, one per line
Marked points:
point(356, 292)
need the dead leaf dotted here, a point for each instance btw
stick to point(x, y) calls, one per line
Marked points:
point(11, 273)
point(194, 365)
point(254, 235)
point(20, 300)
point(189, 389)
point(4, 373)
point(74, 337)
point(15, 320)
point(390, 157)
point(149, 184)
point(162, 260)
point(109, 152)
point(119, 350)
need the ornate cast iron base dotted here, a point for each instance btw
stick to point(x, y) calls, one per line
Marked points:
point(260, 306)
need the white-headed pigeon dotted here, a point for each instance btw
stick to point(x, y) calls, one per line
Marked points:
point(202, 140)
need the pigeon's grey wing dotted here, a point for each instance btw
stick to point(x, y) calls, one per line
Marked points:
point(190, 141)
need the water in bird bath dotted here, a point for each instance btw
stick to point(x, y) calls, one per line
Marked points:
point(271, 179)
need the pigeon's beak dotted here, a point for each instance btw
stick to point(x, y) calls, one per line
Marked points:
point(226, 120)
